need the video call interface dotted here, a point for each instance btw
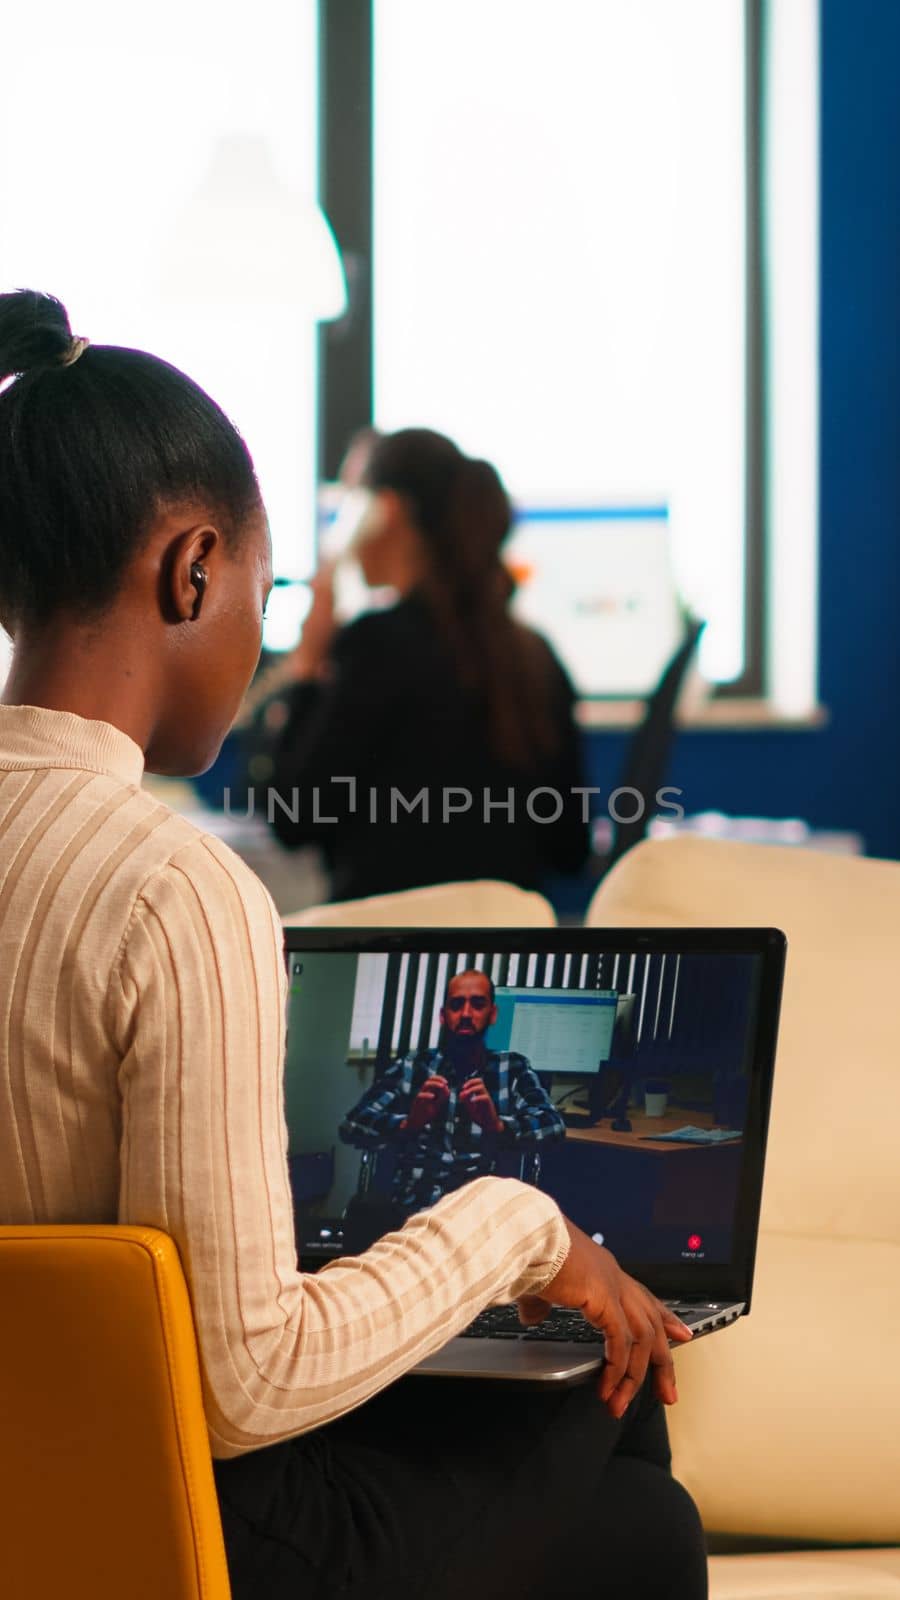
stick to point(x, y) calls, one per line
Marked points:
point(618, 1083)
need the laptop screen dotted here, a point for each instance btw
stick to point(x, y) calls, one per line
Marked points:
point(618, 1080)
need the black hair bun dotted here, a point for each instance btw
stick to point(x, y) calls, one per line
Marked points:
point(34, 331)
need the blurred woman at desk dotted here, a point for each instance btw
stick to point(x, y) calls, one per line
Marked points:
point(411, 741)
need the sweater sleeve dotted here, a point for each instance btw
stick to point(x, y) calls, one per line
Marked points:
point(199, 1011)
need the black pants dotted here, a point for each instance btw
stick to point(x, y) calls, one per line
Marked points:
point(470, 1490)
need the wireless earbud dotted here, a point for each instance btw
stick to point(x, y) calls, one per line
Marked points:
point(199, 578)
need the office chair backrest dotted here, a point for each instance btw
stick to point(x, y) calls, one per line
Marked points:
point(106, 1485)
point(647, 756)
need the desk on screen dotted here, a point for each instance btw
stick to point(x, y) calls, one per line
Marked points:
point(642, 1126)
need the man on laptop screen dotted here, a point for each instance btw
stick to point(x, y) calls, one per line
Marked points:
point(447, 1112)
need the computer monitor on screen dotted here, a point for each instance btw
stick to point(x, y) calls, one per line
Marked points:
point(599, 584)
point(574, 1028)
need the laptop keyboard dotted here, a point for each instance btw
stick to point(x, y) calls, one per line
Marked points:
point(502, 1322)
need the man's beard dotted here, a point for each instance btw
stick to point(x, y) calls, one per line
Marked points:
point(464, 1048)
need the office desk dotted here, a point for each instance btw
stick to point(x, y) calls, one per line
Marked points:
point(642, 1125)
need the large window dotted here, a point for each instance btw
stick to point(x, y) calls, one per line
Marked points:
point(559, 204)
point(593, 236)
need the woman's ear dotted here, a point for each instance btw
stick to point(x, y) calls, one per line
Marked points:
point(187, 572)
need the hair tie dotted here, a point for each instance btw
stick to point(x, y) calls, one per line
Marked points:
point(76, 348)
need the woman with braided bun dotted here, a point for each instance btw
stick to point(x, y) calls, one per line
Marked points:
point(142, 1005)
point(447, 713)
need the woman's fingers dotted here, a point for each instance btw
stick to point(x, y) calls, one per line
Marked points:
point(619, 1341)
point(663, 1368)
point(642, 1335)
point(649, 1322)
point(674, 1327)
point(532, 1310)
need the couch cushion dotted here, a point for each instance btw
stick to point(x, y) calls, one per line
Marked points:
point(786, 1425)
point(820, 1575)
point(483, 903)
point(832, 1167)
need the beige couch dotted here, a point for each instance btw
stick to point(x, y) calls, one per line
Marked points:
point(789, 1424)
point(484, 903)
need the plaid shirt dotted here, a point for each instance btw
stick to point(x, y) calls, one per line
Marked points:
point(452, 1149)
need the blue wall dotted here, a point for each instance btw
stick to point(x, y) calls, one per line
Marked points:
point(846, 775)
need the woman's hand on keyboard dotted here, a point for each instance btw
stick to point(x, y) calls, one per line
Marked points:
point(636, 1326)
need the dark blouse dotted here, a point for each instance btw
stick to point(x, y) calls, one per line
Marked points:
point(393, 718)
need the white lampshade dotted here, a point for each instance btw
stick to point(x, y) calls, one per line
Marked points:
point(245, 238)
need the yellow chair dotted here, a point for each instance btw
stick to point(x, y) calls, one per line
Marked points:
point(106, 1485)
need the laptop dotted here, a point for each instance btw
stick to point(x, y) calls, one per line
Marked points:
point(625, 1072)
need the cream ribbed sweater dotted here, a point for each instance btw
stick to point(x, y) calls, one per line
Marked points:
point(142, 1002)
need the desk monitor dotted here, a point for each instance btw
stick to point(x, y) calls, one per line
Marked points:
point(599, 585)
point(572, 1028)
